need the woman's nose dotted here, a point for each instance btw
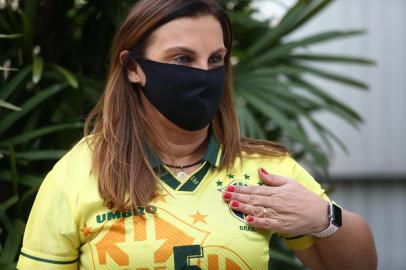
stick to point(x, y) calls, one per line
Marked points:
point(202, 64)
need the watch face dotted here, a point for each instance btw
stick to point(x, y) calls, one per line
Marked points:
point(337, 219)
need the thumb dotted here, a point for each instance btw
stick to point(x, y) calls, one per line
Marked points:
point(271, 179)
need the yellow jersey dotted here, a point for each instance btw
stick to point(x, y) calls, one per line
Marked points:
point(187, 226)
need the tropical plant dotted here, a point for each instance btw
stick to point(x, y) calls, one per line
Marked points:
point(53, 60)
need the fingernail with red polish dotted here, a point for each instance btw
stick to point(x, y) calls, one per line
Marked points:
point(264, 171)
point(235, 204)
point(230, 188)
point(227, 196)
point(250, 219)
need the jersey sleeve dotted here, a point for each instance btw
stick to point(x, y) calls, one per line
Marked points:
point(51, 239)
point(299, 174)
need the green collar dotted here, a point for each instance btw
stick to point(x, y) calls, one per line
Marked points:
point(211, 155)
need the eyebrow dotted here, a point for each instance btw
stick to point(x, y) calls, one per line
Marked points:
point(191, 51)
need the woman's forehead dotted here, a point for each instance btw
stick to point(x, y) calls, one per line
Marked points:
point(200, 33)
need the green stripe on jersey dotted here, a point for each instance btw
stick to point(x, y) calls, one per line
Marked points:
point(46, 260)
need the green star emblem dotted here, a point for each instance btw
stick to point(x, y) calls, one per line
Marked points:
point(219, 183)
point(246, 176)
point(230, 176)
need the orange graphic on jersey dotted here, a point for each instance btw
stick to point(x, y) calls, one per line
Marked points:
point(220, 257)
point(172, 235)
point(213, 261)
point(107, 244)
point(86, 231)
point(230, 265)
point(198, 217)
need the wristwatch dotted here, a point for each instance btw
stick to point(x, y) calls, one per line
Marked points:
point(335, 220)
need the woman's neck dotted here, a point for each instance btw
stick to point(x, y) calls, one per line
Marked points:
point(176, 146)
point(182, 148)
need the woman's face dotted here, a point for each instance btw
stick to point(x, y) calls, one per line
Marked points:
point(190, 41)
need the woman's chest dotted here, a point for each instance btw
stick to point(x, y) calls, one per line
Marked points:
point(178, 230)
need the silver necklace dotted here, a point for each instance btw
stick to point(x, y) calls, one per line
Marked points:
point(182, 174)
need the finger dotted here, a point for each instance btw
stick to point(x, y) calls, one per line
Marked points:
point(264, 223)
point(251, 199)
point(253, 189)
point(257, 211)
point(272, 179)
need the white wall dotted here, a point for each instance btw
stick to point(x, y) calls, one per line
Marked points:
point(378, 147)
point(382, 204)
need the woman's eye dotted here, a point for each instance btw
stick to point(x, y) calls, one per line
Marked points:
point(216, 59)
point(183, 59)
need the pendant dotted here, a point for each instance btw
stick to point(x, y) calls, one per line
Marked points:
point(182, 175)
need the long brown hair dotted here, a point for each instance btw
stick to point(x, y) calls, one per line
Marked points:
point(119, 128)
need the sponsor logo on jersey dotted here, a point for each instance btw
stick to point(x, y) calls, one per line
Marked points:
point(117, 215)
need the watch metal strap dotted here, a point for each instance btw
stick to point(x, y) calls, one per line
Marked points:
point(331, 229)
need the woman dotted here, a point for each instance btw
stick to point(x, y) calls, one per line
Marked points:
point(165, 182)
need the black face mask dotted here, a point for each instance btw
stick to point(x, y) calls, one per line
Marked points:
point(188, 97)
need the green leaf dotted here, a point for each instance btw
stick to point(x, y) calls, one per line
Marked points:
point(284, 50)
point(69, 77)
point(274, 34)
point(314, 8)
point(12, 36)
point(333, 58)
point(13, 171)
point(28, 39)
point(277, 116)
point(11, 246)
point(5, 25)
point(330, 76)
point(325, 134)
point(20, 226)
point(10, 106)
point(7, 69)
point(30, 8)
point(34, 134)
point(24, 179)
point(27, 195)
point(14, 83)
point(29, 105)
point(328, 103)
point(8, 203)
point(322, 94)
point(8, 266)
point(110, 8)
point(249, 126)
point(38, 67)
point(36, 155)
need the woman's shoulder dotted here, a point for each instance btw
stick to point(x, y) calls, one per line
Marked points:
point(75, 164)
point(68, 178)
point(284, 160)
point(282, 164)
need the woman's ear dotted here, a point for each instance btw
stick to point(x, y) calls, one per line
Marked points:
point(135, 73)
